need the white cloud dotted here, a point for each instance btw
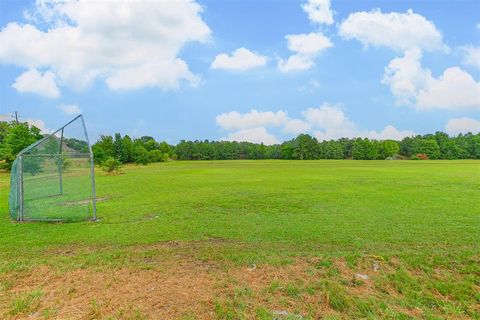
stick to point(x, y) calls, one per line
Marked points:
point(398, 31)
point(234, 120)
point(471, 56)
point(462, 125)
point(454, 89)
point(325, 122)
point(296, 126)
point(319, 11)
point(40, 124)
point(389, 132)
point(69, 109)
point(240, 59)
point(255, 135)
point(130, 44)
point(331, 122)
point(415, 86)
point(327, 116)
point(405, 75)
point(32, 81)
point(306, 47)
point(308, 44)
point(311, 85)
point(295, 62)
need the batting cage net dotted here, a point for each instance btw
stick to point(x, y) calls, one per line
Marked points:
point(53, 178)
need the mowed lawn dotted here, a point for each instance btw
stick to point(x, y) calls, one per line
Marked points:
point(256, 240)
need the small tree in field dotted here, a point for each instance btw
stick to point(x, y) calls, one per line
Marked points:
point(111, 165)
point(141, 155)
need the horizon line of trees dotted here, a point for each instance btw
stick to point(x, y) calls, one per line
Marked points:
point(16, 136)
point(304, 147)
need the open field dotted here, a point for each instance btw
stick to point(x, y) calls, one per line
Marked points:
point(256, 240)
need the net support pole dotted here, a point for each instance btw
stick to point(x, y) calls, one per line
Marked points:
point(60, 163)
point(20, 189)
point(92, 171)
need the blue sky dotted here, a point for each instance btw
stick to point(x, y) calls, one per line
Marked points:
point(260, 71)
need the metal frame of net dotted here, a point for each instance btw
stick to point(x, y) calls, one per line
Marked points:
point(53, 178)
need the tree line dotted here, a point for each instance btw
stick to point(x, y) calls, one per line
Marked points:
point(112, 151)
point(306, 147)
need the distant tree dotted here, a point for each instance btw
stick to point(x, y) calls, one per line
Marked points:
point(364, 149)
point(166, 148)
point(118, 148)
point(18, 136)
point(305, 147)
point(347, 146)
point(428, 146)
point(406, 146)
point(103, 149)
point(474, 146)
point(331, 150)
point(157, 156)
point(150, 145)
point(145, 139)
point(390, 148)
point(4, 128)
point(287, 149)
point(141, 155)
point(80, 146)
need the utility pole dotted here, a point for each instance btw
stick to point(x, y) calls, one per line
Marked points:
point(16, 116)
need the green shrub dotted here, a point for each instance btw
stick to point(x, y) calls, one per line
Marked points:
point(141, 155)
point(111, 165)
point(157, 156)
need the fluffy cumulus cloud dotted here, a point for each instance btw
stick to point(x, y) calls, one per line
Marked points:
point(331, 122)
point(471, 56)
point(319, 11)
point(33, 81)
point(240, 59)
point(234, 120)
point(296, 126)
point(462, 125)
point(129, 44)
point(398, 31)
point(324, 122)
point(306, 48)
point(69, 109)
point(413, 85)
point(255, 135)
point(410, 83)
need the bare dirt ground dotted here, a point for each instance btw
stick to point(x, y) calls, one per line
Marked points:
point(175, 290)
point(168, 281)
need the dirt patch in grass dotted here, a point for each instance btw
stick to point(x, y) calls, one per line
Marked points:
point(168, 281)
point(82, 202)
point(90, 294)
point(173, 290)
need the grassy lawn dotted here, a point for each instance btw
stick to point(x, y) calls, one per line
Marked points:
point(256, 240)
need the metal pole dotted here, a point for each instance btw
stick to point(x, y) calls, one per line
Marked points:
point(92, 171)
point(60, 164)
point(20, 189)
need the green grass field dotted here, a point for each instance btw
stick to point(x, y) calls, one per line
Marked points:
point(256, 240)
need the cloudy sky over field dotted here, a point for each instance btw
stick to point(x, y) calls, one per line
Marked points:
point(260, 71)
